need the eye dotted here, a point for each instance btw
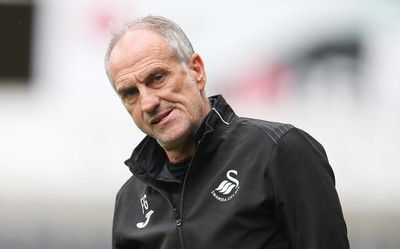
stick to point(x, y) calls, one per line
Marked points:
point(128, 93)
point(158, 77)
point(157, 80)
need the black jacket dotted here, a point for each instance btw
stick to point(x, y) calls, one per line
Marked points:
point(252, 184)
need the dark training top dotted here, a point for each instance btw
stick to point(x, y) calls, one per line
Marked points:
point(251, 184)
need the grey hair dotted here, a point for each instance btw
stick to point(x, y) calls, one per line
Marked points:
point(178, 43)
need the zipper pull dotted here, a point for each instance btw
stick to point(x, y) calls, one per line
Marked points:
point(178, 219)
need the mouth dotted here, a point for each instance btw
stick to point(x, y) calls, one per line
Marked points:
point(158, 118)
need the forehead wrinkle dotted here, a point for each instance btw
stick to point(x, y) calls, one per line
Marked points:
point(129, 62)
point(144, 72)
point(139, 69)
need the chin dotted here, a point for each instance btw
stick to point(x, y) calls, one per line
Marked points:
point(173, 139)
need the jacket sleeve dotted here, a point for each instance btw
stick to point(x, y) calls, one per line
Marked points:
point(306, 202)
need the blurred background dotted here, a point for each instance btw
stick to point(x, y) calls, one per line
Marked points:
point(328, 67)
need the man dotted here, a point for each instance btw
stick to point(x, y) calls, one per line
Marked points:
point(204, 177)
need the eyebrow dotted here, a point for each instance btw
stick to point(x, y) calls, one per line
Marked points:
point(124, 90)
point(153, 73)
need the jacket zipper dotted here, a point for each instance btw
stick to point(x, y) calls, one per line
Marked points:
point(177, 216)
point(178, 219)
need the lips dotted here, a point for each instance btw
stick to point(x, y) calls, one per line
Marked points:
point(158, 118)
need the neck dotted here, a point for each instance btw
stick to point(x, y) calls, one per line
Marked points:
point(180, 155)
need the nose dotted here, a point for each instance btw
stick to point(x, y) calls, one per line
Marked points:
point(149, 100)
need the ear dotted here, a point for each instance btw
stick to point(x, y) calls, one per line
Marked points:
point(196, 67)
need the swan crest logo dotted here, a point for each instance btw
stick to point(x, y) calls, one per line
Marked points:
point(227, 189)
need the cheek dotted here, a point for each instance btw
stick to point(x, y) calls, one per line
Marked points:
point(195, 107)
point(135, 114)
point(139, 123)
point(137, 117)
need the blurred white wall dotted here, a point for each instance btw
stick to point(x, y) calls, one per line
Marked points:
point(63, 139)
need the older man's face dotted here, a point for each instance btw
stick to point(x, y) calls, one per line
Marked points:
point(163, 97)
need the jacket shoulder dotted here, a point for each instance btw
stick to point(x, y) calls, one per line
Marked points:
point(273, 130)
point(127, 187)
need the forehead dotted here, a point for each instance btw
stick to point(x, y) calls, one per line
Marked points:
point(137, 47)
point(139, 39)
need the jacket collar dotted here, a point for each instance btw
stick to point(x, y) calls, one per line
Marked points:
point(148, 157)
point(221, 114)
